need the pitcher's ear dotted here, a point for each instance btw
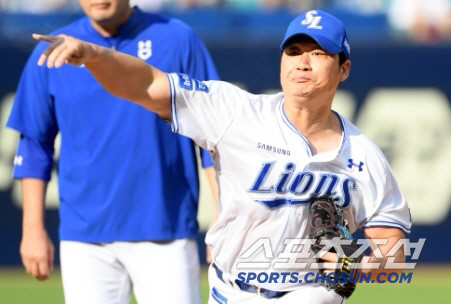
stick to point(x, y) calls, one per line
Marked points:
point(345, 69)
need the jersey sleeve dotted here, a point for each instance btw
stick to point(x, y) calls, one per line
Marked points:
point(33, 112)
point(34, 159)
point(386, 206)
point(203, 110)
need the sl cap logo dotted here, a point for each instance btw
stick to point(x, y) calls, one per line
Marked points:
point(144, 49)
point(312, 21)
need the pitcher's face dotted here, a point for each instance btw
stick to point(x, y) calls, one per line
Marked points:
point(308, 70)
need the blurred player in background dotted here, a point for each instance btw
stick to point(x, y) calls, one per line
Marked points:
point(128, 186)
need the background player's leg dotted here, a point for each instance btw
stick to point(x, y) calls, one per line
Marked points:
point(163, 272)
point(91, 274)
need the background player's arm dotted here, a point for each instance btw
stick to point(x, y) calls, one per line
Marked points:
point(36, 248)
point(122, 75)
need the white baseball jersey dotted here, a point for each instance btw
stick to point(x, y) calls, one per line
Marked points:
point(267, 173)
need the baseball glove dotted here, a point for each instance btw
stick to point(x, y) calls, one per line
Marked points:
point(327, 223)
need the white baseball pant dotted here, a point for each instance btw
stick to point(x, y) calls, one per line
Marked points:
point(158, 272)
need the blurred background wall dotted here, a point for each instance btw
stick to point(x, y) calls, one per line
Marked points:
point(399, 92)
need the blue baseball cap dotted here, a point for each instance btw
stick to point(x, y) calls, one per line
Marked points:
point(328, 31)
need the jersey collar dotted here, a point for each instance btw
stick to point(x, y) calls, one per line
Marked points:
point(293, 128)
point(325, 156)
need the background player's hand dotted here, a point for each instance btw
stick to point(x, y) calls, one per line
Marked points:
point(64, 50)
point(37, 252)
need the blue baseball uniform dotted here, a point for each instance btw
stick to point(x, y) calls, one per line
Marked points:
point(123, 175)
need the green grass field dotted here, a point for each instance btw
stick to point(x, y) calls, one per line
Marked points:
point(428, 285)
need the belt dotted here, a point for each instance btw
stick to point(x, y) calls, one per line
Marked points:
point(266, 293)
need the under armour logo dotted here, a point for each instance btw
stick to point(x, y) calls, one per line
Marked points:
point(351, 164)
point(144, 49)
point(312, 21)
point(18, 160)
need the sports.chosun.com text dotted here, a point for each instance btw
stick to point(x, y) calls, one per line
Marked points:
point(316, 277)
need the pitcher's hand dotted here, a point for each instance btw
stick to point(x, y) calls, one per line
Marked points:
point(65, 49)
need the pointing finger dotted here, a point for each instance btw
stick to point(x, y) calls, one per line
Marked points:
point(45, 38)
